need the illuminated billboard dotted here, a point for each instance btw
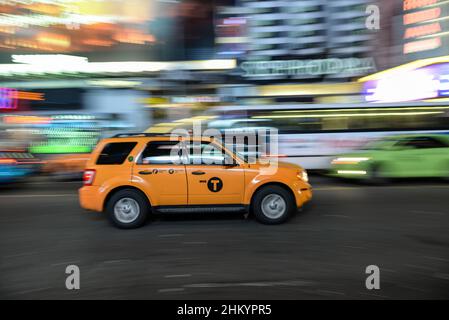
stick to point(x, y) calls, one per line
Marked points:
point(424, 26)
point(73, 25)
point(429, 82)
point(105, 30)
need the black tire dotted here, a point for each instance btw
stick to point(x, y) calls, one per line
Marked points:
point(375, 175)
point(445, 177)
point(138, 198)
point(264, 195)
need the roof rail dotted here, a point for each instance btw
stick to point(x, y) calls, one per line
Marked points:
point(140, 134)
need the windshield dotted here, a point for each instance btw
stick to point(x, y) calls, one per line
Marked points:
point(381, 144)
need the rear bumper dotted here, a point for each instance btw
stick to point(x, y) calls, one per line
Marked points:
point(89, 198)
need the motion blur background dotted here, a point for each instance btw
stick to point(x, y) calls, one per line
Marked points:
point(332, 76)
point(326, 74)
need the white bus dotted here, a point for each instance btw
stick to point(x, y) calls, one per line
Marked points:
point(311, 135)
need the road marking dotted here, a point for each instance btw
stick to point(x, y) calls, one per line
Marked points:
point(288, 283)
point(37, 195)
point(21, 254)
point(51, 183)
point(170, 290)
point(116, 261)
point(335, 216)
point(330, 292)
point(383, 187)
point(419, 267)
point(31, 291)
point(334, 188)
point(178, 275)
point(429, 212)
point(194, 242)
point(444, 276)
point(436, 258)
point(170, 235)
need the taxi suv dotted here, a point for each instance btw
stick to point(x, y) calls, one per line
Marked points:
point(133, 175)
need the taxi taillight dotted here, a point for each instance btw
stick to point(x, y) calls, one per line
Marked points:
point(88, 177)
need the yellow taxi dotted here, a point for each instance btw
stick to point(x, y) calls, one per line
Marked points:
point(133, 175)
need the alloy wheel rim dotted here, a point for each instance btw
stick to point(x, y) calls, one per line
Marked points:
point(126, 210)
point(273, 206)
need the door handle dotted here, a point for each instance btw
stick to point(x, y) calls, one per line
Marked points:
point(145, 172)
point(198, 173)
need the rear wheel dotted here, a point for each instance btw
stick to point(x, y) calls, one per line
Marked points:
point(273, 205)
point(127, 209)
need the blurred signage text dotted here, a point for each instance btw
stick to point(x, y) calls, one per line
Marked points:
point(341, 68)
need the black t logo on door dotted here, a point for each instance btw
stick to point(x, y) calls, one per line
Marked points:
point(215, 184)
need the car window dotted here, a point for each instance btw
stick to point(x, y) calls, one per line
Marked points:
point(115, 153)
point(424, 143)
point(433, 143)
point(205, 153)
point(161, 152)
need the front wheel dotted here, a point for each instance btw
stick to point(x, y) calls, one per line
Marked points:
point(127, 209)
point(376, 175)
point(273, 205)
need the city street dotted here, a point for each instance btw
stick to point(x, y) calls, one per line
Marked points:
point(321, 253)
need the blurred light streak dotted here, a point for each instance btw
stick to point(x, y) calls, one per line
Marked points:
point(32, 96)
point(47, 58)
point(415, 4)
point(421, 16)
point(352, 172)
point(114, 67)
point(26, 120)
point(350, 160)
point(349, 115)
point(54, 40)
point(371, 109)
point(309, 89)
point(8, 161)
point(422, 45)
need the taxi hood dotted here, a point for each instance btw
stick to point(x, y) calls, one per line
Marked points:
point(279, 164)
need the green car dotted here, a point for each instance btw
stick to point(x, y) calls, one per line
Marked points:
point(408, 156)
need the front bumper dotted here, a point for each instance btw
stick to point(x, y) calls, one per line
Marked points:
point(303, 193)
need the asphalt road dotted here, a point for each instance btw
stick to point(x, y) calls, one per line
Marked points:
point(321, 253)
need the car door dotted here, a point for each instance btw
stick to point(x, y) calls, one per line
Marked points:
point(405, 158)
point(210, 180)
point(418, 156)
point(162, 174)
point(433, 155)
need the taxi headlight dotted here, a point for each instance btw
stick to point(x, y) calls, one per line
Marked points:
point(303, 176)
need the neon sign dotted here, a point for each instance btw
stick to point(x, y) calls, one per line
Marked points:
point(8, 99)
point(424, 25)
